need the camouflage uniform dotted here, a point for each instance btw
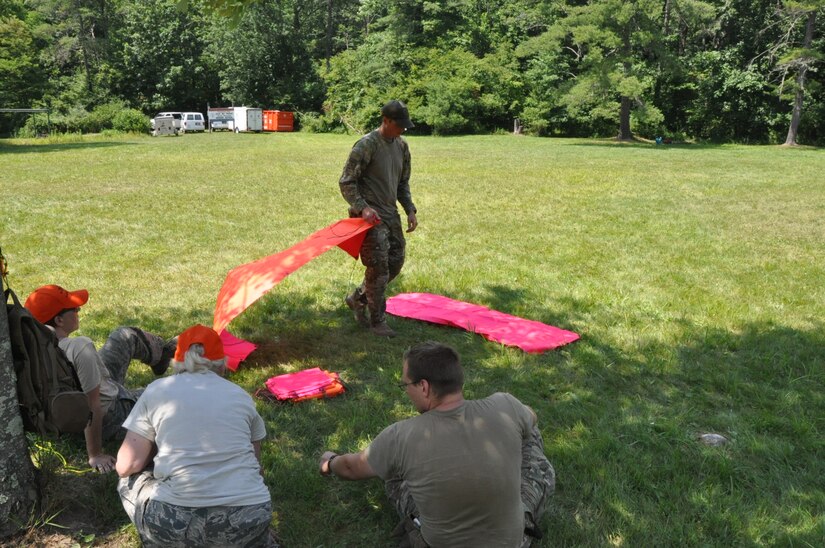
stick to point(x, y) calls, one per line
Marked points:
point(106, 368)
point(377, 175)
point(538, 481)
point(124, 345)
point(168, 525)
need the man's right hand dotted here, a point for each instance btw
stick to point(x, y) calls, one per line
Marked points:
point(370, 215)
point(323, 465)
point(102, 463)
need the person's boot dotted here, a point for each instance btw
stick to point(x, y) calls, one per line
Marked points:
point(166, 356)
point(383, 330)
point(531, 531)
point(358, 307)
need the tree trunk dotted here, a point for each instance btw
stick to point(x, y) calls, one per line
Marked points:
point(328, 52)
point(84, 51)
point(18, 489)
point(796, 114)
point(624, 120)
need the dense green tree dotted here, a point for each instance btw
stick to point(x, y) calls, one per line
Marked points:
point(724, 70)
point(725, 92)
point(687, 29)
point(731, 99)
point(23, 78)
point(21, 84)
point(159, 62)
point(456, 92)
point(77, 33)
point(359, 81)
point(476, 26)
point(264, 61)
point(799, 57)
point(614, 45)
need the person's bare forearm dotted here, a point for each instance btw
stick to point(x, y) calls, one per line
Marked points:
point(349, 466)
point(94, 435)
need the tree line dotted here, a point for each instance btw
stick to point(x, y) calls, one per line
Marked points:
point(708, 70)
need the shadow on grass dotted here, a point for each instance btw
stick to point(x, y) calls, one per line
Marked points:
point(630, 466)
point(6, 148)
point(612, 143)
point(620, 424)
point(509, 300)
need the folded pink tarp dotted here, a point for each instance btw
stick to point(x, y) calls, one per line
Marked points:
point(301, 384)
point(529, 335)
point(236, 349)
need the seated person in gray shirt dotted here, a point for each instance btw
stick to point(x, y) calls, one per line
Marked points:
point(462, 472)
point(190, 463)
point(101, 373)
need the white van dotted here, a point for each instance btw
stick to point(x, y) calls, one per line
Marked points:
point(193, 121)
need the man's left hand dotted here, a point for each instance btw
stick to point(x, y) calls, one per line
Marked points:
point(412, 222)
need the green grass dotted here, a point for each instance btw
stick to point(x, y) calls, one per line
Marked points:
point(695, 276)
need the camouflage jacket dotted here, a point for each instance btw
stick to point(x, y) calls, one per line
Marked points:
point(377, 174)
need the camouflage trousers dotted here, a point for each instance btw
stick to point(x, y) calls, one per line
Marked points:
point(383, 254)
point(160, 524)
point(124, 345)
point(538, 482)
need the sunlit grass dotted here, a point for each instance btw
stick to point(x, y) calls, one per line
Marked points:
point(694, 275)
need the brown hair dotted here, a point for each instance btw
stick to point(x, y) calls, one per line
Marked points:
point(438, 363)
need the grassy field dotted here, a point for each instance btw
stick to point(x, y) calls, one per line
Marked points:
point(694, 274)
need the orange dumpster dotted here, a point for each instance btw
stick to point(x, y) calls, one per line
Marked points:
point(278, 120)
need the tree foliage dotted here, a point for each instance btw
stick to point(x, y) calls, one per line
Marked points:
point(160, 62)
point(721, 70)
point(23, 78)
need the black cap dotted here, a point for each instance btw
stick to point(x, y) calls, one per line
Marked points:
point(397, 112)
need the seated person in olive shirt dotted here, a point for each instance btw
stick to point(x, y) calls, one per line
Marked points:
point(463, 472)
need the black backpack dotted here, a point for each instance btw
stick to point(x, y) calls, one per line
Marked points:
point(48, 389)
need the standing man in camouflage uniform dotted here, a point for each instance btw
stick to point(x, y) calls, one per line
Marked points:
point(376, 176)
point(190, 464)
point(462, 472)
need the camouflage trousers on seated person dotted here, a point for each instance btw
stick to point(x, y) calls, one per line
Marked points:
point(118, 411)
point(123, 345)
point(167, 525)
point(538, 482)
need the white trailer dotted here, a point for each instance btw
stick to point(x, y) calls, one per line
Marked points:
point(220, 118)
point(164, 125)
point(248, 119)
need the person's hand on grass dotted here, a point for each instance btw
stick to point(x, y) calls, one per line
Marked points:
point(102, 463)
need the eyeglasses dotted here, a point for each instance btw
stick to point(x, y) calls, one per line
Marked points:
point(404, 385)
